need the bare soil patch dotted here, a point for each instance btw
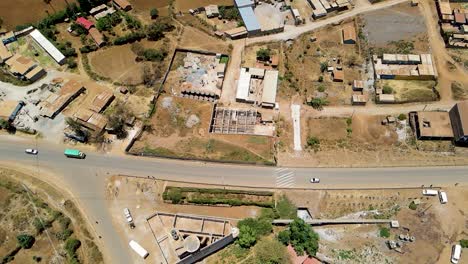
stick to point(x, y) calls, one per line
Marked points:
point(171, 136)
point(392, 24)
point(20, 12)
point(185, 5)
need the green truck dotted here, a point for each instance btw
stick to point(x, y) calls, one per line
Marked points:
point(74, 153)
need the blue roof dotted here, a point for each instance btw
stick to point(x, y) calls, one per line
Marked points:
point(249, 18)
point(243, 3)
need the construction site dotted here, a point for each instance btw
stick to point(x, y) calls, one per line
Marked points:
point(240, 121)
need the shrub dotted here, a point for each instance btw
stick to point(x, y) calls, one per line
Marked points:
point(401, 117)
point(71, 246)
point(64, 235)
point(413, 206)
point(464, 243)
point(154, 13)
point(285, 208)
point(318, 103)
point(25, 241)
point(154, 55)
point(37, 258)
point(323, 66)
point(108, 22)
point(261, 227)
point(384, 232)
point(129, 38)
point(320, 79)
point(263, 54)
point(229, 13)
point(312, 142)
point(132, 22)
point(38, 225)
point(387, 89)
point(270, 251)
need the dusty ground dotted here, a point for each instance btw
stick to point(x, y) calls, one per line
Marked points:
point(171, 136)
point(193, 38)
point(143, 197)
point(185, 5)
point(20, 209)
point(362, 143)
point(301, 70)
point(392, 24)
point(13, 12)
point(435, 226)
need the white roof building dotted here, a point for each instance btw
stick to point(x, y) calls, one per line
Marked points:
point(269, 89)
point(47, 46)
point(243, 86)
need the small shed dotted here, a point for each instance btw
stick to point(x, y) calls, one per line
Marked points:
point(386, 98)
point(358, 85)
point(338, 76)
point(349, 35)
point(212, 11)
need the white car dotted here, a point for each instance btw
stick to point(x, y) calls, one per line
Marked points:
point(31, 151)
point(314, 180)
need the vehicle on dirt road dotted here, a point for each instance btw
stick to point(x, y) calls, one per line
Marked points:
point(314, 180)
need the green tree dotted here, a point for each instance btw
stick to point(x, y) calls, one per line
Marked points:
point(318, 103)
point(263, 54)
point(401, 117)
point(154, 55)
point(71, 246)
point(270, 251)
point(25, 241)
point(384, 232)
point(301, 236)
point(155, 31)
point(313, 142)
point(154, 13)
point(247, 237)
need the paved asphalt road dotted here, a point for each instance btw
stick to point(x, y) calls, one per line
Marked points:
point(86, 178)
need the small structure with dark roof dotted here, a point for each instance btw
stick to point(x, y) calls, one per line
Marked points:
point(97, 37)
point(338, 76)
point(211, 11)
point(349, 35)
point(358, 85)
point(101, 101)
point(122, 4)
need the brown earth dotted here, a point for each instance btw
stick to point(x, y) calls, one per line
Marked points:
point(185, 5)
point(170, 136)
point(19, 12)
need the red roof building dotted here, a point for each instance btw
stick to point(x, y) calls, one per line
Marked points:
point(305, 259)
point(84, 22)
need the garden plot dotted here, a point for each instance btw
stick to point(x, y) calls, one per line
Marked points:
point(410, 91)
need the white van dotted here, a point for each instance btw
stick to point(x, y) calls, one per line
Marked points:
point(430, 192)
point(456, 254)
point(138, 249)
point(443, 197)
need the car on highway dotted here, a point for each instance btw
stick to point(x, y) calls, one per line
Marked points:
point(31, 151)
point(314, 180)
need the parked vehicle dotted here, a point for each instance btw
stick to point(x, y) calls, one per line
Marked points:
point(128, 216)
point(456, 254)
point(74, 153)
point(443, 197)
point(430, 192)
point(31, 151)
point(138, 249)
point(314, 180)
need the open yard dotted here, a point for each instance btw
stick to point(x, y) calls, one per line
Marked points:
point(185, 5)
point(305, 66)
point(411, 91)
point(13, 12)
point(401, 22)
point(180, 128)
point(34, 210)
point(361, 141)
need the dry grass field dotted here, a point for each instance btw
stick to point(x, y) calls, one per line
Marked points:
point(14, 12)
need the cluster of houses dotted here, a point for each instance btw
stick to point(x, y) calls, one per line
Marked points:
point(322, 7)
point(453, 24)
point(22, 67)
point(441, 125)
point(92, 30)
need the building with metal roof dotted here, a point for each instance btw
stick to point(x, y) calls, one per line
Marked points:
point(244, 3)
point(5, 54)
point(47, 46)
point(250, 20)
point(269, 89)
point(243, 86)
